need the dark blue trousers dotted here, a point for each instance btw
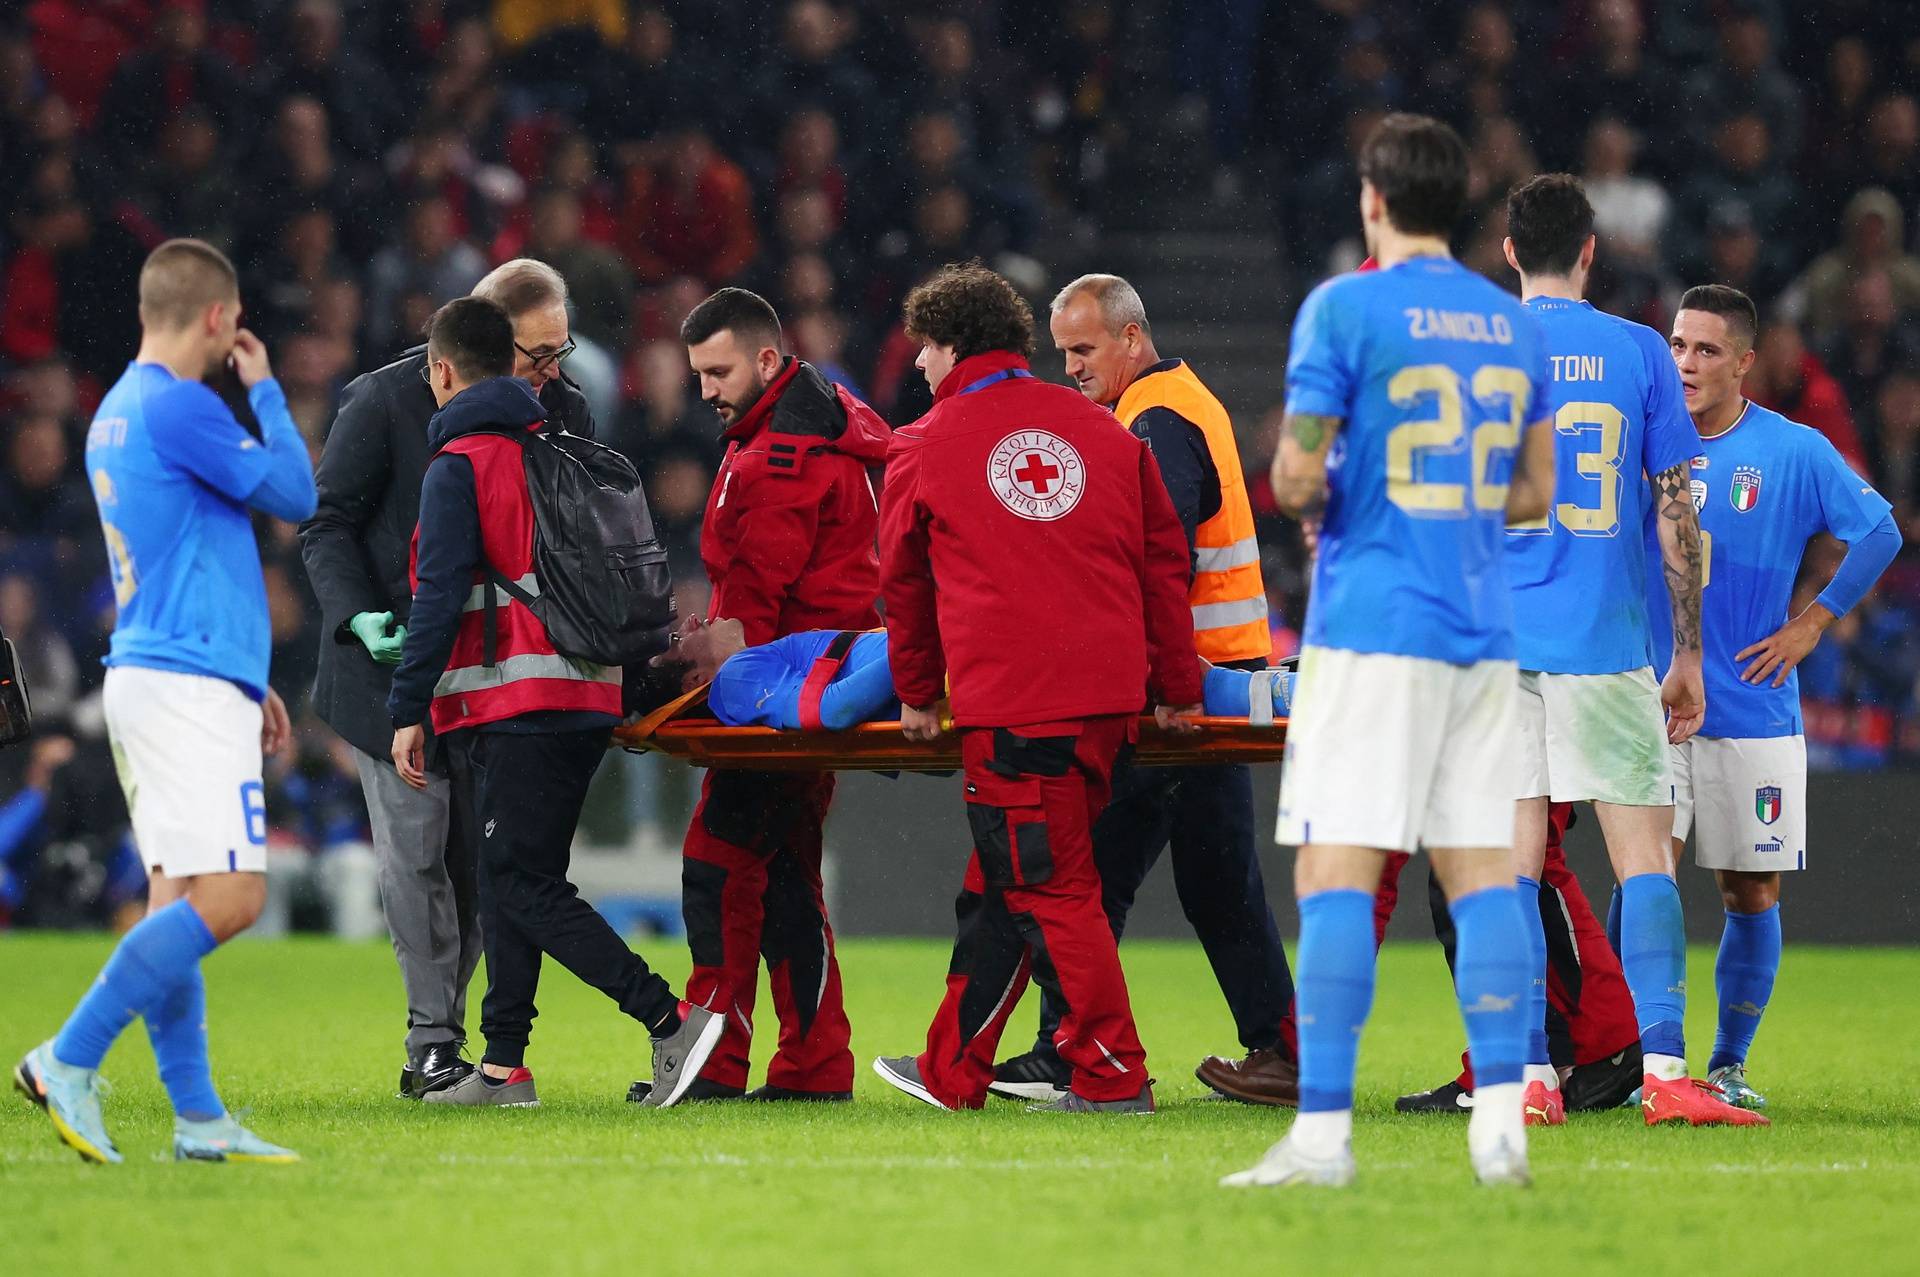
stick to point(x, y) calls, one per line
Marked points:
point(1205, 814)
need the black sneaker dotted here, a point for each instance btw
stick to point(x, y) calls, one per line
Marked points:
point(786, 1094)
point(435, 1067)
point(1603, 1084)
point(1451, 1098)
point(698, 1089)
point(1038, 1076)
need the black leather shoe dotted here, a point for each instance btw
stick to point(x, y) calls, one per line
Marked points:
point(406, 1082)
point(436, 1067)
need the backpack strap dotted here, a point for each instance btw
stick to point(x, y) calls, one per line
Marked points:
point(819, 675)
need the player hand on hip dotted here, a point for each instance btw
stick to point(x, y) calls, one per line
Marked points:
point(1779, 652)
point(410, 755)
point(1178, 719)
point(249, 359)
point(921, 725)
point(1684, 693)
point(276, 728)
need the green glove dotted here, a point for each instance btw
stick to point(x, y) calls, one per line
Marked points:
point(371, 629)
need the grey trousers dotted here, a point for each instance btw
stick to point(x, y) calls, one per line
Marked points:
point(427, 888)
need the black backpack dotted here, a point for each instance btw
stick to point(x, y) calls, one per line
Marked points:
point(604, 594)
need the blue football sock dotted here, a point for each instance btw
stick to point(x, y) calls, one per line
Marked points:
point(1743, 979)
point(178, 1030)
point(1527, 898)
point(1490, 979)
point(1653, 955)
point(148, 962)
point(1334, 993)
point(1613, 922)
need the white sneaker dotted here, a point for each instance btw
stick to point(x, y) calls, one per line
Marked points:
point(1504, 1163)
point(1285, 1166)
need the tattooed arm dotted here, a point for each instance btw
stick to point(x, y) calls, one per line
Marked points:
point(1299, 473)
point(1683, 692)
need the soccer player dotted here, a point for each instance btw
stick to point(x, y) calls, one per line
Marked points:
point(188, 708)
point(1763, 485)
point(1591, 721)
point(1415, 425)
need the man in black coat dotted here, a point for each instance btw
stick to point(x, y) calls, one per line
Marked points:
point(357, 547)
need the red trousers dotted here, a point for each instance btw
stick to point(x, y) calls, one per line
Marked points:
point(1589, 1010)
point(750, 887)
point(1030, 907)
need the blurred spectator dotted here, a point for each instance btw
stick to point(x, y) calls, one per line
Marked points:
point(298, 164)
point(432, 264)
point(1838, 122)
point(1896, 423)
point(678, 479)
point(1616, 75)
point(1889, 155)
point(1743, 171)
point(811, 67)
point(189, 183)
point(53, 676)
point(820, 338)
point(690, 213)
point(67, 857)
point(314, 61)
point(1320, 217)
point(1873, 239)
point(177, 72)
point(521, 22)
point(1791, 380)
point(809, 160)
point(1629, 210)
point(1737, 254)
point(1744, 79)
point(1872, 344)
point(638, 88)
point(599, 281)
point(667, 415)
point(304, 259)
point(41, 496)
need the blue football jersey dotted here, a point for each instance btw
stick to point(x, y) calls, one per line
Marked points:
point(1762, 488)
point(172, 470)
point(1579, 575)
point(1435, 373)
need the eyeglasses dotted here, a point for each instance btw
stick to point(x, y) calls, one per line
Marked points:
point(551, 359)
point(426, 372)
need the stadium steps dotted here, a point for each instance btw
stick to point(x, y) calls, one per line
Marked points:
point(1219, 298)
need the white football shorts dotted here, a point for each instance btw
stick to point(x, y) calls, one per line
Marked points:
point(1745, 802)
point(187, 748)
point(1398, 753)
point(1593, 738)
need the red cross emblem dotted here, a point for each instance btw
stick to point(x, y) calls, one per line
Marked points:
point(1036, 474)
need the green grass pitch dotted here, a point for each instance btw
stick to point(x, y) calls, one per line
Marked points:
point(305, 1034)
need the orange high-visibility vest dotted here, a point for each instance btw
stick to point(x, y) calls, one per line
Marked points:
point(1229, 599)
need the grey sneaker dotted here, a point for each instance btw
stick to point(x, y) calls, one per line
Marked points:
point(1503, 1164)
point(1732, 1081)
point(475, 1091)
point(678, 1059)
point(1073, 1102)
point(902, 1072)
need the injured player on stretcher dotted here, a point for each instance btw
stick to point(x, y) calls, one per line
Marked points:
point(832, 680)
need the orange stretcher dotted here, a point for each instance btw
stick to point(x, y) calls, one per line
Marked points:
point(683, 729)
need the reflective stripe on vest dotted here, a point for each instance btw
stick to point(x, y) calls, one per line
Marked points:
point(471, 678)
point(477, 596)
point(1222, 557)
point(1228, 596)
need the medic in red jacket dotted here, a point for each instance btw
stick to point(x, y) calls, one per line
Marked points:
point(788, 544)
point(1062, 598)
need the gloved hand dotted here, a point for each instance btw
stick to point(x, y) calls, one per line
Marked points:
point(371, 629)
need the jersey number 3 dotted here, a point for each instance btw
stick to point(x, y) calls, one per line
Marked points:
point(1411, 443)
point(1603, 428)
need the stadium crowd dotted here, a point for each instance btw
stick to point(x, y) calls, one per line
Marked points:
point(364, 162)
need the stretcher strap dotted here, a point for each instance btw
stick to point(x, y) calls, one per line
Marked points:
point(1260, 697)
point(819, 675)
